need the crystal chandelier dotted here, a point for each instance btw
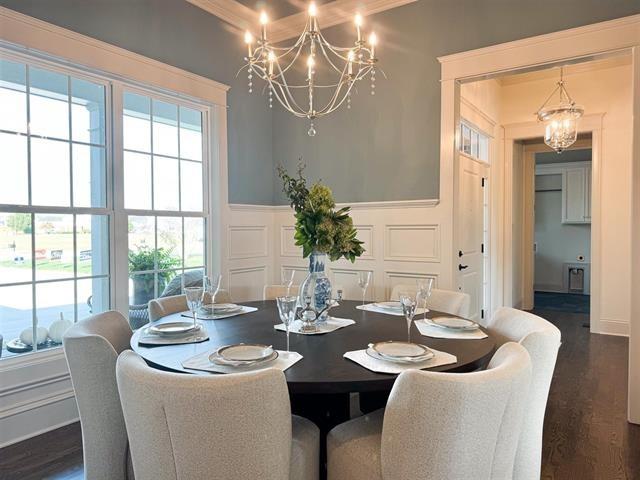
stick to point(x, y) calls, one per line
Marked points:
point(271, 63)
point(561, 120)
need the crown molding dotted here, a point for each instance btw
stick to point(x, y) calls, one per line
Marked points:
point(330, 14)
point(230, 11)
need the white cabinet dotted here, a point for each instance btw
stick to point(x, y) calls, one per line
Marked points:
point(576, 200)
point(576, 189)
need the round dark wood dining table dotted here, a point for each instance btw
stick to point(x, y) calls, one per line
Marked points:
point(322, 383)
point(322, 370)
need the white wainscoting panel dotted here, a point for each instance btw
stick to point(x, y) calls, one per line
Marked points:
point(347, 280)
point(365, 234)
point(405, 278)
point(248, 241)
point(246, 284)
point(412, 243)
point(288, 247)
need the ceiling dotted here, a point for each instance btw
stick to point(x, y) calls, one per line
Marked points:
point(277, 9)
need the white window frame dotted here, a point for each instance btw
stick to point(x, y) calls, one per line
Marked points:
point(114, 164)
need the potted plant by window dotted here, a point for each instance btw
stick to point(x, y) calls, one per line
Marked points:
point(145, 259)
point(321, 231)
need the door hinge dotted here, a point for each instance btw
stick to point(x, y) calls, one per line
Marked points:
point(482, 313)
point(482, 248)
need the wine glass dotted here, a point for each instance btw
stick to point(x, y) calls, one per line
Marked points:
point(409, 305)
point(287, 275)
point(363, 282)
point(287, 307)
point(194, 301)
point(424, 292)
point(211, 286)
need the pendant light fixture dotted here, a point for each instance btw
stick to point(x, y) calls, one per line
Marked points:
point(561, 119)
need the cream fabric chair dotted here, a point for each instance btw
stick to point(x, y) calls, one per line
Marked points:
point(542, 341)
point(447, 301)
point(226, 427)
point(270, 292)
point(92, 347)
point(161, 307)
point(439, 426)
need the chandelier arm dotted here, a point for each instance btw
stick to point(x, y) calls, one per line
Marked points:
point(288, 96)
point(293, 61)
point(331, 105)
point(324, 53)
point(283, 98)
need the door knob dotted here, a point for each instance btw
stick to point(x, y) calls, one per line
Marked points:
point(462, 267)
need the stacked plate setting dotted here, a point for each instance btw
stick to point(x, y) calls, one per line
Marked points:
point(243, 355)
point(220, 309)
point(174, 329)
point(393, 307)
point(399, 352)
point(453, 323)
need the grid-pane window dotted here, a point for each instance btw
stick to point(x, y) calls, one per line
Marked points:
point(54, 221)
point(474, 142)
point(163, 184)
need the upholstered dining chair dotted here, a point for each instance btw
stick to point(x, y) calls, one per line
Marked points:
point(270, 292)
point(447, 301)
point(235, 426)
point(163, 306)
point(92, 347)
point(542, 340)
point(439, 426)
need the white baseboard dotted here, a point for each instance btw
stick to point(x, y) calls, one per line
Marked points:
point(610, 326)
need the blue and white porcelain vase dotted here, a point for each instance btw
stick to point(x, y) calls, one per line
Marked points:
point(317, 285)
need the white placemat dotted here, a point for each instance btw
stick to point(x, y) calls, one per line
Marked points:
point(330, 325)
point(381, 366)
point(204, 316)
point(370, 307)
point(201, 362)
point(432, 331)
point(148, 338)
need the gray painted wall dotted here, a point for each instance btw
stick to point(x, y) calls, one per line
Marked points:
point(387, 146)
point(180, 34)
point(385, 149)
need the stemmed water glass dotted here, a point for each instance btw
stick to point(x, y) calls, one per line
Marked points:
point(287, 278)
point(424, 292)
point(363, 282)
point(287, 307)
point(409, 305)
point(211, 286)
point(194, 301)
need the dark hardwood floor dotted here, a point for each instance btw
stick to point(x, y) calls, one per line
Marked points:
point(587, 436)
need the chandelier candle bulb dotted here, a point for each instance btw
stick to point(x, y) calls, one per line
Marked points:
point(358, 22)
point(373, 41)
point(310, 64)
point(263, 21)
point(313, 11)
point(248, 39)
point(350, 57)
point(272, 58)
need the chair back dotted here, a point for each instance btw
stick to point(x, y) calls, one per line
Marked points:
point(271, 292)
point(235, 426)
point(91, 347)
point(446, 301)
point(163, 306)
point(542, 340)
point(454, 425)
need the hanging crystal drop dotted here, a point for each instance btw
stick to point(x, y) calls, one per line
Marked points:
point(373, 81)
point(349, 100)
point(250, 77)
point(270, 97)
point(312, 131)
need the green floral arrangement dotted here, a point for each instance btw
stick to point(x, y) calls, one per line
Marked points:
point(319, 227)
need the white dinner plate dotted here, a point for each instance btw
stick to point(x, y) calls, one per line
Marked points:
point(453, 323)
point(396, 359)
point(245, 352)
point(219, 360)
point(172, 328)
point(221, 308)
point(389, 305)
point(395, 349)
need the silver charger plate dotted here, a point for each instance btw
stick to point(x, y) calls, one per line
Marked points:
point(245, 352)
point(402, 360)
point(218, 360)
point(172, 328)
point(453, 323)
point(220, 308)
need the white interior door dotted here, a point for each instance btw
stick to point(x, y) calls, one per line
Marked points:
point(472, 219)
